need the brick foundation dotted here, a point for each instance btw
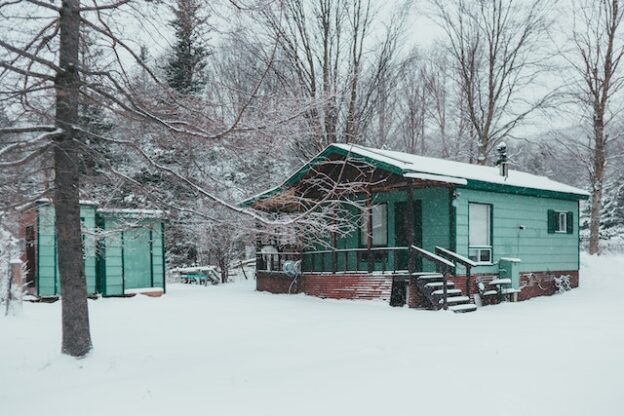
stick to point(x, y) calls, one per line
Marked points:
point(349, 286)
point(533, 284)
point(365, 286)
point(542, 283)
point(275, 283)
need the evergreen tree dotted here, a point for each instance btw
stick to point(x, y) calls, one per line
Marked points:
point(185, 71)
point(612, 221)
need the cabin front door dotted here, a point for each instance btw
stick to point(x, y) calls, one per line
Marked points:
point(401, 225)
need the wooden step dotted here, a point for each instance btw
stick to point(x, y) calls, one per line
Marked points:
point(466, 307)
point(424, 274)
point(503, 281)
point(455, 299)
point(431, 285)
point(490, 293)
point(450, 292)
point(430, 277)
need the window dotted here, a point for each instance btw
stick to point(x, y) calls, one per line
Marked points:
point(480, 232)
point(560, 222)
point(379, 214)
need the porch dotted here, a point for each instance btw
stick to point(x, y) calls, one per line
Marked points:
point(428, 282)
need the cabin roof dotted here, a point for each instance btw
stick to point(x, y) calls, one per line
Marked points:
point(461, 174)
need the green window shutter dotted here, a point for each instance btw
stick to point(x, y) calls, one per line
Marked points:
point(551, 221)
point(569, 222)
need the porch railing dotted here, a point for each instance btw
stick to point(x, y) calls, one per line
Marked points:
point(464, 261)
point(352, 260)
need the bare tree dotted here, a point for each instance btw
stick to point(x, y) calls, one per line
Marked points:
point(323, 55)
point(596, 59)
point(495, 48)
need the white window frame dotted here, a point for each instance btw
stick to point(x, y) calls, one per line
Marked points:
point(476, 251)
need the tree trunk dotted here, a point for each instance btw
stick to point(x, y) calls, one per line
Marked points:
point(75, 313)
point(597, 182)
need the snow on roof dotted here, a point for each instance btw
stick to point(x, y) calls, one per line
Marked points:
point(82, 201)
point(414, 166)
point(132, 211)
point(194, 269)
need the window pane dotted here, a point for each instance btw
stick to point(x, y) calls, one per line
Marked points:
point(561, 224)
point(479, 224)
point(473, 254)
point(380, 225)
point(485, 255)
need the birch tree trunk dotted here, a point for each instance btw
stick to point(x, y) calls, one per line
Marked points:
point(76, 333)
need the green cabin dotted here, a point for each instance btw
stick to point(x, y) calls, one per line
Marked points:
point(123, 250)
point(457, 226)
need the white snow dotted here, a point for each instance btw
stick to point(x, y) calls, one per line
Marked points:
point(413, 165)
point(228, 350)
point(140, 290)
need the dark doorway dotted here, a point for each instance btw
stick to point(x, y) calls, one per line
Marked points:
point(401, 234)
point(31, 256)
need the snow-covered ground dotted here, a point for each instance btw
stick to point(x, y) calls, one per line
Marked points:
point(227, 350)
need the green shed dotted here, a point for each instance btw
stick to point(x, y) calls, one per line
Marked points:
point(123, 250)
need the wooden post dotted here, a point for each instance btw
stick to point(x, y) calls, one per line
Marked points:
point(411, 259)
point(16, 275)
point(334, 245)
point(369, 229)
point(259, 260)
point(444, 289)
point(468, 278)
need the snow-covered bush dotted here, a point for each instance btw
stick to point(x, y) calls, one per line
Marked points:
point(9, 293)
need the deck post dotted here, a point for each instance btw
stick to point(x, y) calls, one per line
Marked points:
point(259, 262)
point(445, 271)
point(411, 259)
point(334, 243)
point(369, 229)
point(468, 286)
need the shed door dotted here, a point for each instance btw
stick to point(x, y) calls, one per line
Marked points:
point(137, 259)
point(400, 227)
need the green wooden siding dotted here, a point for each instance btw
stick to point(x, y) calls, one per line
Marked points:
point(158, 260)
point(130, 257)
point(48, 279)
point(538, 250)
point(137, 259)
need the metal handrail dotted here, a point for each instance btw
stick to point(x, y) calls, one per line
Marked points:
point(443, 266)
point(466, 262)
point(458, 258)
